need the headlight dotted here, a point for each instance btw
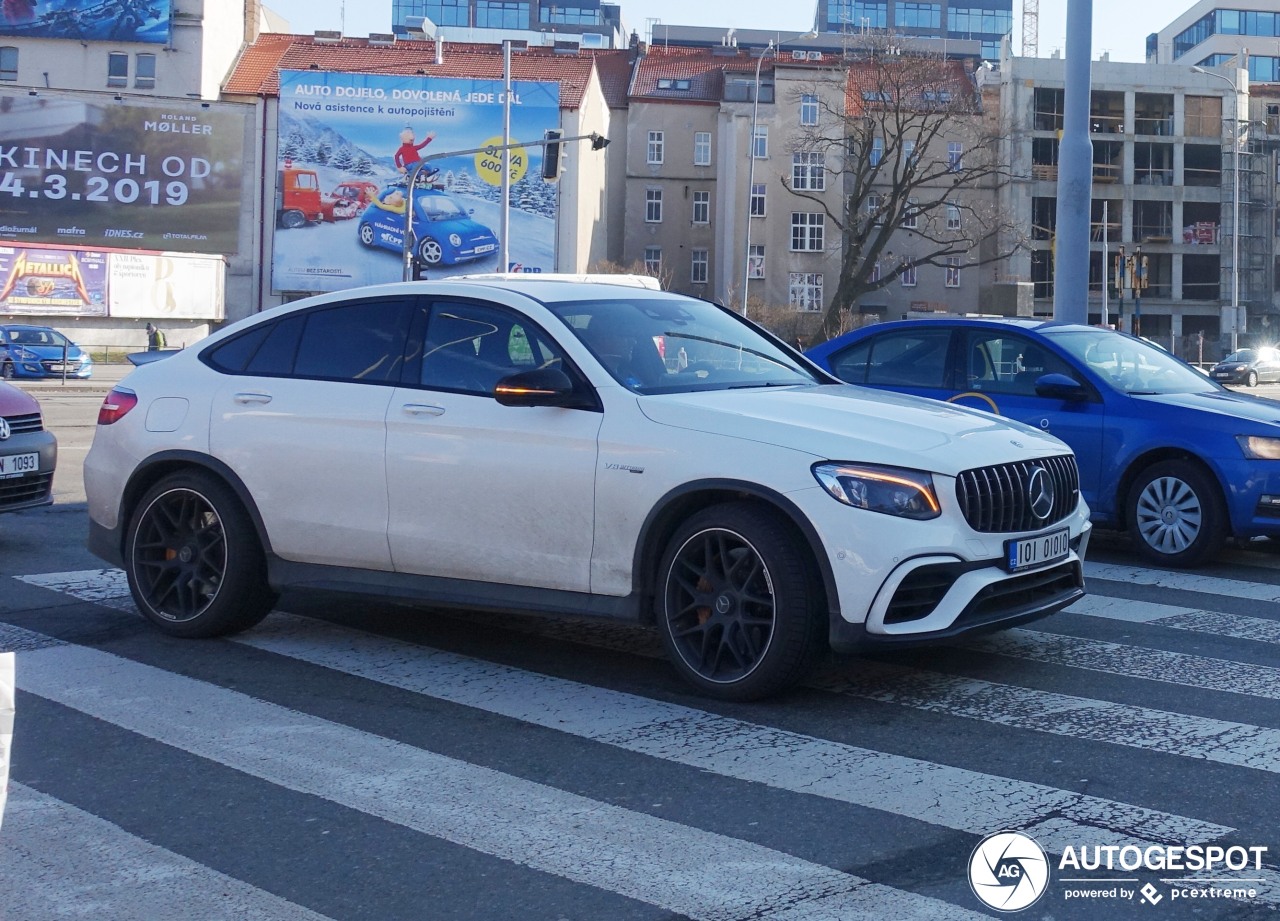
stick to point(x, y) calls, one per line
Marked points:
point(1259, 447)
point(26, 355)
point(889, 490)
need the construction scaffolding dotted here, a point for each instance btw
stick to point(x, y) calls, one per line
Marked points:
point(1257, 219)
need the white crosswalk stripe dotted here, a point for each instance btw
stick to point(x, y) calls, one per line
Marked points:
point(680, 868)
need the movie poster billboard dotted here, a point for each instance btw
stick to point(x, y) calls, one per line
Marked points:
point(88, 20)
point(82, 282)
point(346, 142)
point(85, 170)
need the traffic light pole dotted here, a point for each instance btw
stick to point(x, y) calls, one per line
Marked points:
point(410, 241)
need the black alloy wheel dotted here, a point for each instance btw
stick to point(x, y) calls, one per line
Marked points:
point(194, 562)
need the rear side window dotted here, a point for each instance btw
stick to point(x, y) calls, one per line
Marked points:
point(363, 341)
point(909, 358)
point(232, 356)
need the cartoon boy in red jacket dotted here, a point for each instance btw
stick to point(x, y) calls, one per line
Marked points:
point(408, 152)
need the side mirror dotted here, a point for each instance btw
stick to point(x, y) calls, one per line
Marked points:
point(1060, 387)
point(539, 387)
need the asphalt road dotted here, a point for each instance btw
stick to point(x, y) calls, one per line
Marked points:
point(352, 760)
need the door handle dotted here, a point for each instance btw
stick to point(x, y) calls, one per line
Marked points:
point(423, 409)
point(252, 397)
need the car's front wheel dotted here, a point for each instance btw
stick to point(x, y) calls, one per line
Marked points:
point(429, 251)
point(6, 370)
point(1252, 379)
point(1176, 514)
point(738, 605)
point(366, 234)
point(193, 559)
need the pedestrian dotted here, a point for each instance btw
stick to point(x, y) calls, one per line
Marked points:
point(155, 339)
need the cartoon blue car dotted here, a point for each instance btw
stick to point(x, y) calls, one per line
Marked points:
point(445, 231)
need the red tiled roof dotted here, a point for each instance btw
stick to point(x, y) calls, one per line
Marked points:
point(705, 70)
point(906, 81)
point(256, 73)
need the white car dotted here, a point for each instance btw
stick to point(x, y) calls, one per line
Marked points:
point(574, 448)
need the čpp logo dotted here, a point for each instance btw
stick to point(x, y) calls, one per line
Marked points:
point(1008, 871)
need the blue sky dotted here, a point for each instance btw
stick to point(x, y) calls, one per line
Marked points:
point(1120, 29)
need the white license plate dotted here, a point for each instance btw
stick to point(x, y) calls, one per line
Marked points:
point(1029, 552)
point(486, 247)
point(18, 465)
point(59, 367)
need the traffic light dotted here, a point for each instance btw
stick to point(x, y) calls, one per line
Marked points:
point(419, 269)
point(552, 152)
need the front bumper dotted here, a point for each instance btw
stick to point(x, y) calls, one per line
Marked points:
point(36, 489)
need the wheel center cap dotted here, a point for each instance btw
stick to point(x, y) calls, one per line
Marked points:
point(724, 604)
point(1169, 515)
point(186, 554)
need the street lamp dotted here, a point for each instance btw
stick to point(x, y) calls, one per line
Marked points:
point(1235, 202)
point(770, 49)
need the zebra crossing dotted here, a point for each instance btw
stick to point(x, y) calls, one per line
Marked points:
point(468, 766)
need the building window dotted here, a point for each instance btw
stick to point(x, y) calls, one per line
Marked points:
point(909, 153)
point(875, 271)
point(806, 231)
point(8, 63)
point(857, 16)
point(653, 206)
point(918, 15)
point(698, 267)
point(144, 77)
point(910, 215)
point(755, 261)
point(702, 148)
point(570, 15)
point(808, 109)
point(757, 199)
point(654, 151)
point(808, 173)
point(877, 151)
point(653, 259)
point(804, 290)
point(874, 202)
point(117, 69)
point(908, 276)
point(502, 14)
point(953, 272)
point(760, 142)
point(953, 217)
point(702, 207)
point(955, 156)
point(445, 12)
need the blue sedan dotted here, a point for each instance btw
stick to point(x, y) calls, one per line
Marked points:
point(1175, 459)
point(39, 351)
point(446, 233)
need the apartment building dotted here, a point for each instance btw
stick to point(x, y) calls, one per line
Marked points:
point(1210, 34)
point(1164, 188)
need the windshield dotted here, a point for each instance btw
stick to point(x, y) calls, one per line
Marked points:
point(1245, 355)
point(439, 208)
point(1131, 365)
point(38, 337)
point(674, 344)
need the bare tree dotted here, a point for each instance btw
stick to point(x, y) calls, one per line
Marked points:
point(920, 163)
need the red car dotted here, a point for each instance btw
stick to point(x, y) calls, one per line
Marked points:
point(28, 453)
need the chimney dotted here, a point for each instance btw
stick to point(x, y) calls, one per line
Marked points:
point(439, 48)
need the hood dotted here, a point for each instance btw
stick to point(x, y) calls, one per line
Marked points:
point(50, 351)
point(848, 423)
point(1227, 404)
point(15, 402)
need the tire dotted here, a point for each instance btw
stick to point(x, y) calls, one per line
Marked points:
point(6, 371)
point(366, 234)
point(430, 252)
point(292, 219)
point(194, 561)
point(738, 604)
point(1252, 379)
point(1176, 514)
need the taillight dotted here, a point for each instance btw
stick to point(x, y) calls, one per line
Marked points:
point(116, 405)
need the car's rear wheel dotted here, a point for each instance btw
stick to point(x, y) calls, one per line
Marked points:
point(738, 605)
point(1252, 379)
point(6, 370)
point(292, 219)
point(429, 251)
point(1176, 514)
point(193, 559)
point(366, 234)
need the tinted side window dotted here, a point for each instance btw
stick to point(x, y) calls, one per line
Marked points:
point(232, 356)
point(851, 364)
point(470, 347)
point(909, 358)
point(362, 341)
point(275, 356)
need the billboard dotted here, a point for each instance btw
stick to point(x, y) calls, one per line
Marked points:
point(81, 282)
point(345, 144)
point(88, 20)
point(89, 171)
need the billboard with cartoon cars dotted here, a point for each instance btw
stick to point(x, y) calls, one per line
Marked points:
point(446, 233)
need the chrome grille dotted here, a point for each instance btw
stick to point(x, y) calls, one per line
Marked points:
point(28, 422)
point(995, 500)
